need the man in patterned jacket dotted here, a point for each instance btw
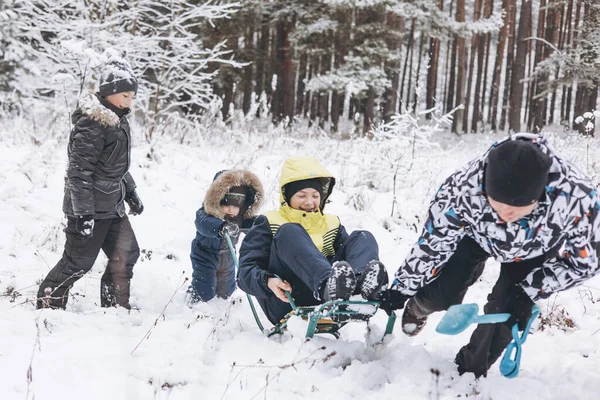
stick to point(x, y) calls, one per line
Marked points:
point(534, 212)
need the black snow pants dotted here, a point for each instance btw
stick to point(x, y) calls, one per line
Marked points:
point(116, 238)
point(464, 267)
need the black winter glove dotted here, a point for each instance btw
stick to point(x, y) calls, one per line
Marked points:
point(136, 207)
point(519, 305)
point(391, 300)
point(84, 224)
point(232, 229)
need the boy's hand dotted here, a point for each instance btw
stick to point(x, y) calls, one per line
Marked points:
point(136, 207)
point(232, 229)
point(278, 287)
point(85, 226)
point(519, 304)
point(391, 300)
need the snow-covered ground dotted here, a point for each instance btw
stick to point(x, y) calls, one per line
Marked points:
point(165, 350)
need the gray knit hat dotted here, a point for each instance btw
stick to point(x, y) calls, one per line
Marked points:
point(117, 77)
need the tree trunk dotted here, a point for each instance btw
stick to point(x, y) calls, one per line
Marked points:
point(392, 68)
point(418, 73)
point(314, 96)
point(509, 61)
point(461, 75)
point(474, 47)
point(537, 113)
point(369, 107)
point(249, 49)
point(432, 71)
point(283, 98)
point(410, 80)
point(518, 69)
point(565, 107)
point(482, 53)
point(409, 47)
point(336, 104)
point(228, 83)
point(300, 95)
point(262, 56)
point(324, 94)
point(271, 70)
point(556, 39)
point(588, 91)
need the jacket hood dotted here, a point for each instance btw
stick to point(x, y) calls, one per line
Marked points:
point(223, 181)
point(90, 106)
point(298, 168)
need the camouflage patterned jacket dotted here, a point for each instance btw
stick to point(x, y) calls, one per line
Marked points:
point(564, 225)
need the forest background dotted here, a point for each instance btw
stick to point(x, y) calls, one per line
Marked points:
point(342, 66)
point(391, 96)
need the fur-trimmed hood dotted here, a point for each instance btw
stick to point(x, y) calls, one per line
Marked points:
point(90, 106)
point(225, 180)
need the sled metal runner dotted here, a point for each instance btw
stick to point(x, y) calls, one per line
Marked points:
point(326, 318)
point(330, 317)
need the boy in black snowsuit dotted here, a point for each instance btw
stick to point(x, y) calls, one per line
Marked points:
point(231, 203)
point(534, 212)
point(97, 184)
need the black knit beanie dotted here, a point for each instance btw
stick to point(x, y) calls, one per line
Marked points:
point(292, 188)
point(516, 173)
point(117, 77)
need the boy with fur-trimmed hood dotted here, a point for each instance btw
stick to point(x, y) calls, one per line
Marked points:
point(231, 204)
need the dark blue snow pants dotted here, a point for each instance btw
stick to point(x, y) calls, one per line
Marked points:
point(213, 274)
point(295, 259)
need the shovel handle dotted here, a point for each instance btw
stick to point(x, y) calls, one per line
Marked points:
point(491, 318)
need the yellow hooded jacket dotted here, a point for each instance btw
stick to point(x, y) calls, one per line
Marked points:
point(322, 228)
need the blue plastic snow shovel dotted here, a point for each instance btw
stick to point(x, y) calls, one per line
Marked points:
point(509, 366)
point(460, 316)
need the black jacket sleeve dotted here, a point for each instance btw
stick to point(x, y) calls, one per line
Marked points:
point(86, 144)
point(129, 183)
point(255, 254)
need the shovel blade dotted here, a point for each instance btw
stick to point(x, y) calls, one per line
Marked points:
point(457, 319)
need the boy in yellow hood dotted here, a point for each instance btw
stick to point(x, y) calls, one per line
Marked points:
point(310, 251)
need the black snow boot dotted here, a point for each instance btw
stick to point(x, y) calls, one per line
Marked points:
point(340, 284)
point(373, 279)
point(414, 318)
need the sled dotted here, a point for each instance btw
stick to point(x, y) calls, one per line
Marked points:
point(330, 317)
point(326, 318)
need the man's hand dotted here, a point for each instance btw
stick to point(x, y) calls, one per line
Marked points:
point(85, 226)
point(278, 287)
point(136, 207)
point(519, 304)
point(391, 300)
